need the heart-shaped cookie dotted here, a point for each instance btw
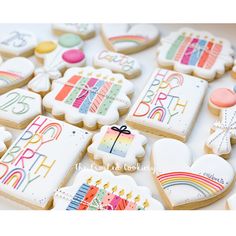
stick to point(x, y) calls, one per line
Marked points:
point(128, 39)
point(184, 185)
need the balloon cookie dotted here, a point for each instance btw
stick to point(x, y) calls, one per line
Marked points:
point(118, 63)
point(5, 140)
point(168, 105)
point(93, 190)
point(186, 185)
point(195, 52)
point(19, 107)
point(17, 43)
point(127, 39)
point(15, 72)
point(89, 97)
point(118, 147)
point(85, 31)
point(57, 58)
point(38, 163)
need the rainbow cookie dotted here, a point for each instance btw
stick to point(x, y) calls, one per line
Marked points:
point(5, 140)
point(195, 52)
point(17, 43)
point(127, 39)
point(57, 57)
point(85, 31)
point(15, 72)
point(89, 97)
point(118, 63)
point(168, 105)
point(186, 185)
point(93, 190)
point(19, 107)
point(38, 163)
point(118, 147)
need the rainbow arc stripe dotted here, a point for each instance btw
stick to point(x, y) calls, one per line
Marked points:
point(129, 38)
point(203, 184)
point(8, 77)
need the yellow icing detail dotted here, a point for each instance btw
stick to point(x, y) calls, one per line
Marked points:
point(45, 47)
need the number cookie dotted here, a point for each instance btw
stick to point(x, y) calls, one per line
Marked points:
point(17, 43)
point(118, 147)
point(195, 52)
point(127, 39)
point(168, 105)
point(57, 57)
point(186, 185)
point(5, 140)
point(15, 72)
point(85, 31)
point(19, 107)
point(38, 163)
point(89, 97)
point(93, 190)
point(118, 63)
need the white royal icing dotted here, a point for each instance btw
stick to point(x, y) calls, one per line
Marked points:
point(37, 163)
point(119, 146)
point(93, 190)
point(169, 103)
point(89, 96)
point(5, 137)
point(198, 52)
point(224, 131)
point(19, 105)
point(186, 182)
point(125, 37)
point(17, 42)
point(231, 202)
point(118, 63)
point(15, 71)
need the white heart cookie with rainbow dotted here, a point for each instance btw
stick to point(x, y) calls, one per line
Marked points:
point(231, 202)
point(19, 107)
point(93, 190)
point(15, 72)
point(186, 185)
point(118, 63)
point(38, 163)
point(5, 140)
point(89, 97)
point(195, 52)
point(127, 39)
point(168, 105)
point(118, 147)
point(57, 57)
point(17, 43)
point(85, 31)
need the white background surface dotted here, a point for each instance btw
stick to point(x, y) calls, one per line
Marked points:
point(148, 62)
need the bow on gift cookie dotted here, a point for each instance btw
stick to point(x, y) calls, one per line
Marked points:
point(222, 102)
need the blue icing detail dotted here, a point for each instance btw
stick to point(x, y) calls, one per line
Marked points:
point(197, 53)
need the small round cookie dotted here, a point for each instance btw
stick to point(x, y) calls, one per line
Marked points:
point(5, 140)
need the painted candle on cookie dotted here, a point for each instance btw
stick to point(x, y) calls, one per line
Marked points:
point(195, 52)
point(37, 163)
point(93, 190)
point(169, 104)
point(118, 63)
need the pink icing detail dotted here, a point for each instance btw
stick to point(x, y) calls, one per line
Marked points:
point(223, 97)
point(73, 56)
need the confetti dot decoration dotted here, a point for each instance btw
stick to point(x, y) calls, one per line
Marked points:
point(45, 47)
point(73, 56)
point(69, 40)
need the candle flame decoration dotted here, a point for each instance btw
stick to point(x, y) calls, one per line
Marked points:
point(137, 199)
point(98, 182)
point(114, 189)
point(89, 180)
point(121, 193)
point(129, 195)
point(106, 185)
point(146, 204)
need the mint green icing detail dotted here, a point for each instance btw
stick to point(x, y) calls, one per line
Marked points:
point(97, 199)
point(69, 40)
point(174, 47)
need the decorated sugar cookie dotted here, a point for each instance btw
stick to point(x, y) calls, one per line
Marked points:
point(186, 185)
point(17, 43)
point(38, 163)
point(231, 202)
point(85, 31)
point(195, 52)
point(19, 107)
point(15, 72)
point(168, 105)
point(234, 70)
point(89, 97)
point(93, 190)
point(127, 39)
point(118, 63)
point(56, 57)
point(119, 147)
point(5, 140)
